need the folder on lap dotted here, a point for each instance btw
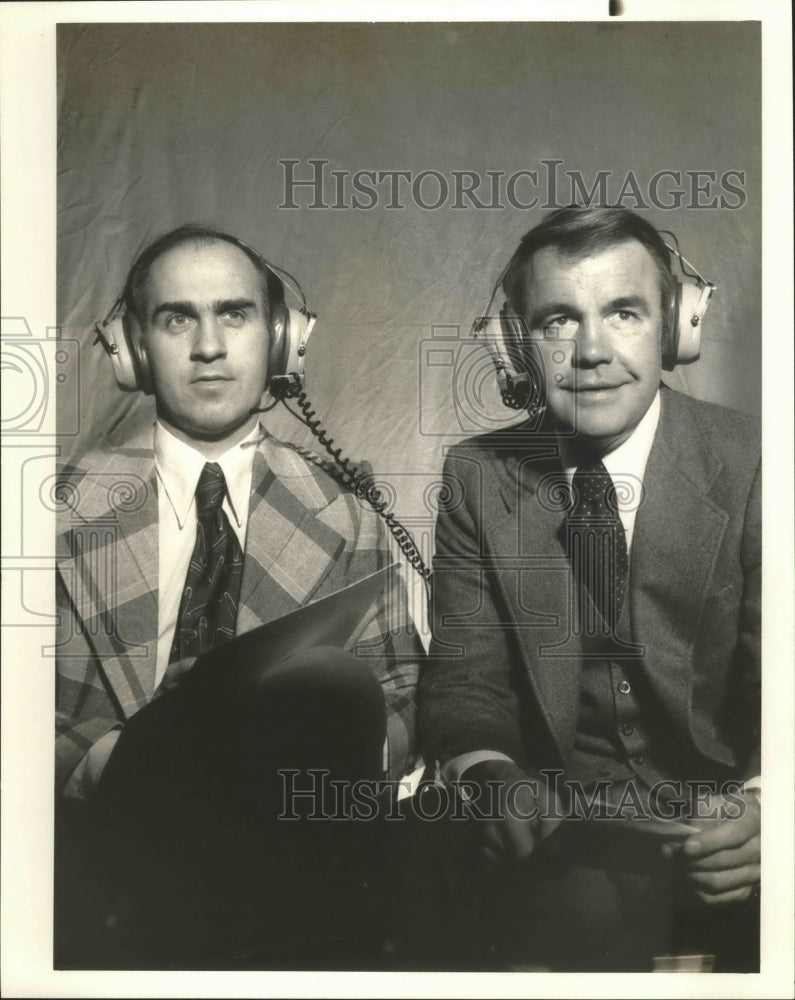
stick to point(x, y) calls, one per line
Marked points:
point(330, 621)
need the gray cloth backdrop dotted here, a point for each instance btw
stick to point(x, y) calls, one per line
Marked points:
point(162, 124)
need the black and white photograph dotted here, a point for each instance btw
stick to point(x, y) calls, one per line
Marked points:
point(384, 514)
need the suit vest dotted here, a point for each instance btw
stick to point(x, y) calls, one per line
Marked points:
point(622, 733)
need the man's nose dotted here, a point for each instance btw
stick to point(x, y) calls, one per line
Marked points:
point(593, 345)
point(209, 340)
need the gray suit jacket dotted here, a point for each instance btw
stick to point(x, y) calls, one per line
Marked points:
point(505, 662)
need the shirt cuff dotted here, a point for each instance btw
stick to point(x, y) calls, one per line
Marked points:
point(454, 768)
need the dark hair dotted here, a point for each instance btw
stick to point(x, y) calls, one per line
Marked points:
point(272, 287)
point(579, 231)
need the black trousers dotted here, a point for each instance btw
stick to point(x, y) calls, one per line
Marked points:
point(586, 901)
point(218, 838)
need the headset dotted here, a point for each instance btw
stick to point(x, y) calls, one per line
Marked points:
point(121, 336)
point(505, 335)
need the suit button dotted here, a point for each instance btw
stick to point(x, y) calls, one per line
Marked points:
point(640, 758)
point(624, 688)
point(628, 729)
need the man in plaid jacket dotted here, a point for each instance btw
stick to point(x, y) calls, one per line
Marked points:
point(307, 537)
point(202, 315)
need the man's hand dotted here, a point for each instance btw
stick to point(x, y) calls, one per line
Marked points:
point(722, 860)
point(520, 810)
point(83, 782)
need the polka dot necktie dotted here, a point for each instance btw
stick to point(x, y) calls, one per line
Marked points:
point(598, 544)
point(208, 609)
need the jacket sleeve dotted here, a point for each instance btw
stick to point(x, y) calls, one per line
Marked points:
point(84, 711)
point(749, 652)
point(469, 698)
point(386, 639)
point(389, 643)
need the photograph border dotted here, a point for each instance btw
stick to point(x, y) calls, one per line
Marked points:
point(28, 143)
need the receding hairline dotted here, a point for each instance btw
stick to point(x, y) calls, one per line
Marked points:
point(197, 240)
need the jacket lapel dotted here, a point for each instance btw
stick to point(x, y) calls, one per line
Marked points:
point(526, 536)
point(108, 559)
point(678, 533)
point(290, 548)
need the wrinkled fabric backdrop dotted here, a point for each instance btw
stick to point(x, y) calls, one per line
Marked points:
point(162, 124)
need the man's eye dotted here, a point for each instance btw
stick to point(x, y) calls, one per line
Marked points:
point(551, 328)
point(234, 317)
point(177, 321)
point(626, 314)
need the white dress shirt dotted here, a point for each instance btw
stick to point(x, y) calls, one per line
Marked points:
point(178, 469)
point(626, 465)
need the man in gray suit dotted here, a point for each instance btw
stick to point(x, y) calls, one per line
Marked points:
point(595, 672)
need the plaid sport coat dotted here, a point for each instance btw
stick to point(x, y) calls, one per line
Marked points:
point(307, 537)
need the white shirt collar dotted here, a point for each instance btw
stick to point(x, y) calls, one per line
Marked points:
point(630, 457)
point(179, 467)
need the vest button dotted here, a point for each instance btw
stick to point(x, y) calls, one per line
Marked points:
point(624, 688)
point(640, 758)
point(628, 729)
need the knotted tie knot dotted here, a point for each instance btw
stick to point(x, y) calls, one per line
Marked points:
point(211, 489)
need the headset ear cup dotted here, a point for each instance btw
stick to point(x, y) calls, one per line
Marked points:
point(117, 346)
point(503, 336)
point(521, 355)
point(297, 333)
point(139, 355)
point(290, 329)
point(279, 334)
point(692, 305)
point(670, 336)
point(681, 342)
